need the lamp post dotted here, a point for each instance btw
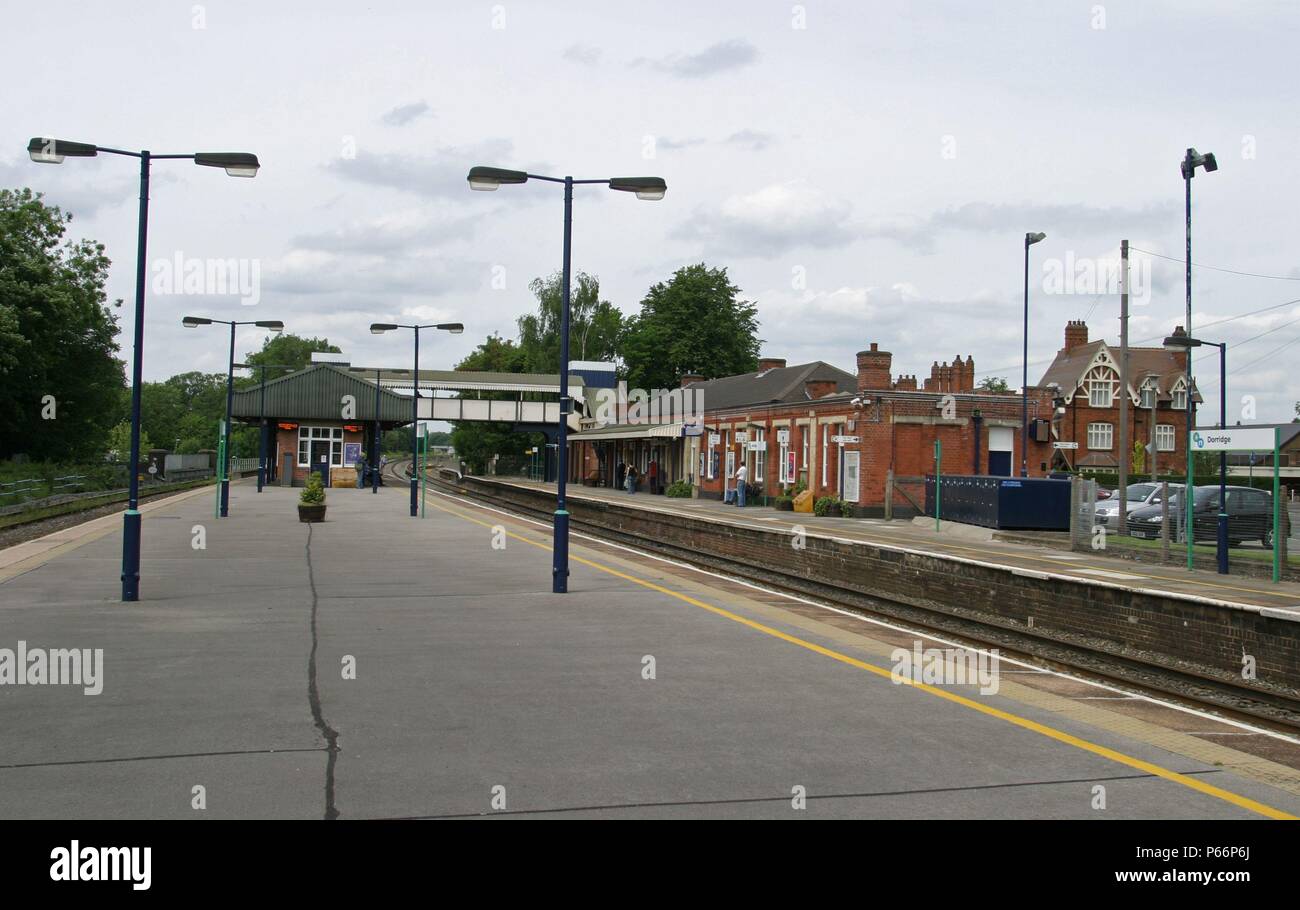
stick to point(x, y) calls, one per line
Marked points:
point(1030, 240)
point(44, 150)
point(193, 322)
point(1181, 341)
point(374, 452)
point(261, 415)
point(379, 328)
point(1191, 161)
point(649, 188)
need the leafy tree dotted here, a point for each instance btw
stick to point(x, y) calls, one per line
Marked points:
point(61, 386)
point(694, 323)
point(594, 324)
point(993, 384)
point(476, 442)
point(289, 349)
point(188, 407)
point(119, 442)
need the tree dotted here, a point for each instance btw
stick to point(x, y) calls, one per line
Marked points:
point(119, 442)
point(594, 324)
point(695, 323)
point(477, 442)
point(993, 384)
point(291, 350)
point(61, 385)
point(188, 407)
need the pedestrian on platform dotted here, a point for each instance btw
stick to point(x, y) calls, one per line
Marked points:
point(741, 474)
point(620, 474)
point(653, 473)
point(631, 479)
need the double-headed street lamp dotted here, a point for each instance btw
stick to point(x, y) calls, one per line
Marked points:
point(237, 164)
point(650, 188)
point(374, 452)
point(193, 322)
point(261, 415)
point(1030, 240)
point(1191, 161)
point(379, 328)
point(1181, 341)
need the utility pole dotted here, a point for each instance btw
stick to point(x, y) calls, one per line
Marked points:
point(1123, 390)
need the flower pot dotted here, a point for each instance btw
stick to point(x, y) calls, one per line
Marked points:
point(311, 512)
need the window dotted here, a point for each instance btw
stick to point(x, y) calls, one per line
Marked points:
point(1149, 394)
point(1180, 400)
point(1164, 437)
point(1100, 435)
point(319, 441)
point(783, 466)
point(824, 454)
point(803, 461)
point(1099, 393)
point(760, 458)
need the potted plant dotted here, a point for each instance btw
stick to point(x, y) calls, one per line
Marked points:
point(311, 504)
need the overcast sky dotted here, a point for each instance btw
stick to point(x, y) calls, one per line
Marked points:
point(865, 171)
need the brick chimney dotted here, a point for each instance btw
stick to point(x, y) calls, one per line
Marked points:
point(906, 383)
point(968, 373)
point(771, 363)
point(688, 378)
point(874, 368)
point(1076, 333)
point(819, 388)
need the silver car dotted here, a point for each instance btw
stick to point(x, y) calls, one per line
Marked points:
point(1138, 495)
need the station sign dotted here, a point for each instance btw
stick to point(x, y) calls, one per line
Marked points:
point(714, 439)
point(846, 440)
point(742, 437)
point(758, 445)
point(1234, 439)
point(1065, 445)
point(783, 436)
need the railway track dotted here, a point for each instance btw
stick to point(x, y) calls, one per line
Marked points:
point(1189, 687)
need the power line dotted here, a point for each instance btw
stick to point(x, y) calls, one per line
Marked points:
point(1197, 265)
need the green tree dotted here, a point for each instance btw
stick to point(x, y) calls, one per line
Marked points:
point(188, 407)
point(61, 385)
point(694, 323)
point(289, 349)
point(594, 324)
point(993, 384)
point(477, 442)
point(119, 442)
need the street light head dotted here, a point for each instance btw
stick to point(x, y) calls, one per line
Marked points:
point(1181, 341)
point(1193, 159)
point(1210, 163)
point(454, 327)
point(236, 164)
point(487, 179)
point(379, 328)
point(650, 188)
point(274, 325)
point(1033, 238)
point(193, 322)
point(44, 150)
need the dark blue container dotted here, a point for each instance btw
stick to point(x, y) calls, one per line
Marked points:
point(1005, 503)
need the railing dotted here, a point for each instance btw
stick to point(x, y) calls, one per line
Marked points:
point(36, 484)
point(240, 465)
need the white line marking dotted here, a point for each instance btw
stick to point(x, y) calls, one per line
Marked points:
point(1103, 573)
point(1027, 667)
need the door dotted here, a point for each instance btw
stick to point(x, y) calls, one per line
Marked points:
point(1001, 446)
point(851, 460)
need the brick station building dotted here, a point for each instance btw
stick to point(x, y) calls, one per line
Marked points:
point(1084, 380)
point(866, 437)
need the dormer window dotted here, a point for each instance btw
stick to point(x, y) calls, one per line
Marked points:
point(1149, 394)
point(1180, 400)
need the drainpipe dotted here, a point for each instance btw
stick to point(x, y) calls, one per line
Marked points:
point(978, 419)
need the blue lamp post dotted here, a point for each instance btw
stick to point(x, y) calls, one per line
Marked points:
point(44, 150)
point(651, 188)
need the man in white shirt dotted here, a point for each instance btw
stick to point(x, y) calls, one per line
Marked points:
point(741, 475)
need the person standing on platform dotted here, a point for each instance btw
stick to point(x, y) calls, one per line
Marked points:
point(631, 479)
point(741, 474)
point(653, 474)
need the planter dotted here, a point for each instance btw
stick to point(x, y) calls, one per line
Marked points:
point(310, 513)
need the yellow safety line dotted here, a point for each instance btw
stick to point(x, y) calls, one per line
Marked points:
point(1050, 732)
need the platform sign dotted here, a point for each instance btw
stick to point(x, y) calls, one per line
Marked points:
point(1065, 445)
point(1233, 439)
point(846, 440)
point(714, 439)
point(758, 445)
point(742, 437)
point(783, 436)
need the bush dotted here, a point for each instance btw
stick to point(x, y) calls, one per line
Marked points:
point(679, 489)
point(798, 488)
point(846, 509)
point(825, 506)
point(314, 493)
point(785, 503)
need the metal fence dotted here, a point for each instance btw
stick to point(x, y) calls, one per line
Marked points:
point(33, 486)
point(240, 465)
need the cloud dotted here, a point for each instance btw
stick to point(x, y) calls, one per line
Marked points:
point(666, 142)
point(81, 187)
point(751, 139)
point(440, 175)
point(1074, 217)
point(584, 54)
point(404, 114)
point(394, 233)
point(771, 221)
point(717, 58)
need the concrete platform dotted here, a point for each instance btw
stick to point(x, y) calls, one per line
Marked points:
point(969, 542)
point(478, 692)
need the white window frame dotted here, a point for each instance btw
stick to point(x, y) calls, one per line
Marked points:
point(760, 458)
point(825, 436)
point(1165, 431)
point(1180, 399)
point(309, 434)
point(803, 461)
point(1095, 434)
point(1148, 394)
point(1101, 393)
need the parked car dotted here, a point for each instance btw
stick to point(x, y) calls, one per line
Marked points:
point(1137, 496)
point(1250, 515)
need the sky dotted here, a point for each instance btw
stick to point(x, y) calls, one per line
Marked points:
point(865, 171)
